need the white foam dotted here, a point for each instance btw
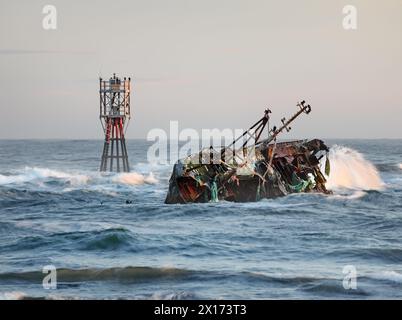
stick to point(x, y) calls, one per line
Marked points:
point(355, 195)
point(350, 170)
point(31, 174)
point(171, 295)
point(390, 276)
point(12, 295)
point(4, 179)
point(76, 180)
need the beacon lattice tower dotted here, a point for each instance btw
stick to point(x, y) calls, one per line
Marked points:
point(114, 116)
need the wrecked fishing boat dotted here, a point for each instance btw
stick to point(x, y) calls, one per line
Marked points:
point(266, 169)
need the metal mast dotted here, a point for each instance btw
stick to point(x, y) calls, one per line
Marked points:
point(114, 110)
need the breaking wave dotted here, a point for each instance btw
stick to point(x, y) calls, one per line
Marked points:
point(392, 276)
point(29, 174)
point(350, 170)
point(43, 176)
point(97, 274)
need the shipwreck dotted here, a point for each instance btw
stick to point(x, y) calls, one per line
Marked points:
point(266, 168)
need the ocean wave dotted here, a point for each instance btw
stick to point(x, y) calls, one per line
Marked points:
point(388, 167)
point(350, 170)
point(104, 239)
point(331, 288)
point(390, 276)
point(353, 196)
point(281, 279)
point(320, 285)
point(388, 255)
point(172, 295)
point(29, 174)
point(182, 295)
point(146, 273)
point(110, 239)
point(63, 181)
point(137, 273)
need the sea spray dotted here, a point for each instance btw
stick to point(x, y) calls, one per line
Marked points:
point(350, 170)
point(134, 178)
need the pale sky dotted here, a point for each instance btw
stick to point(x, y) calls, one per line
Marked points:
point(205, 63)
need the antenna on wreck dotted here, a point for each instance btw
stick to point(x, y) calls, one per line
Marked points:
point(257, 128)
point(285, 123)
point(254, 131)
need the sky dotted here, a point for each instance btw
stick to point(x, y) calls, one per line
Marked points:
point(206, 64)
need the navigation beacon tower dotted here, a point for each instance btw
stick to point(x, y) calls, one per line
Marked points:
point(114, 116)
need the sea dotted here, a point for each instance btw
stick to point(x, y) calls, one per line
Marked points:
point(69, 232)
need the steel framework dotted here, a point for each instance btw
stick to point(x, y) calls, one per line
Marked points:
point(114, 114)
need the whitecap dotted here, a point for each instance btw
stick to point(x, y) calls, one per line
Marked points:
point(389, 276)
point(35, 174)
